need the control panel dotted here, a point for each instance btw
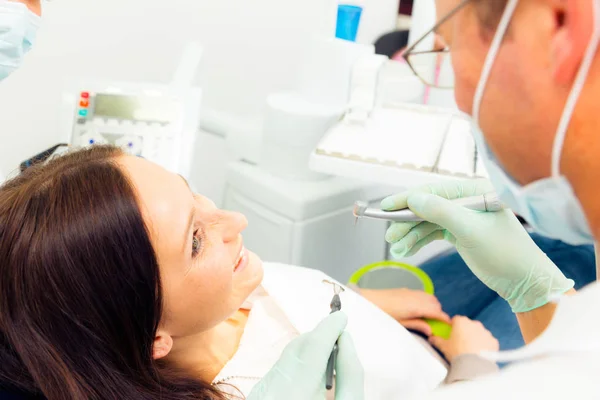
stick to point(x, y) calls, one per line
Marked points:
point(157, 122)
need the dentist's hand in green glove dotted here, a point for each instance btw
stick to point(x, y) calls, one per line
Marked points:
point(300, 372)
point(494, 245)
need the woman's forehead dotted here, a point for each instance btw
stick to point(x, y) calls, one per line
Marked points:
point(164, 197)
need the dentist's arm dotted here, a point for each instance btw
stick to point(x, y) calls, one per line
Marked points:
point(494, 245)
point(534, 322)
point(300, 372)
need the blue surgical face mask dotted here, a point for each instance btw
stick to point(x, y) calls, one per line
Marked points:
point(18, 29)
point(549, 205)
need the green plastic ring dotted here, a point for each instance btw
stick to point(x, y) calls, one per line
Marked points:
point(425, 279)
point(438, 328)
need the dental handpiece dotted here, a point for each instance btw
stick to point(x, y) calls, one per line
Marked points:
point(489, 202)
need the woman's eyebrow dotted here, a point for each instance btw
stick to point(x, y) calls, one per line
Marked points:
point(190, 218)
point(186, 237)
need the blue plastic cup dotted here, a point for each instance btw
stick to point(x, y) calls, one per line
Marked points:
point(348, 20)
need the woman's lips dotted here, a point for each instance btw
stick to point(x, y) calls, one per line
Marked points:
point(242, 260)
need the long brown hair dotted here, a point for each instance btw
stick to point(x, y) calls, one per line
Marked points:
point(80, 292)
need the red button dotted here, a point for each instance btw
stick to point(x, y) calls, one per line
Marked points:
point(84, 103)
point(85, 95)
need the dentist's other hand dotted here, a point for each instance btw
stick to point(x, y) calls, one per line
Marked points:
point(494, 245)
point(300, 372)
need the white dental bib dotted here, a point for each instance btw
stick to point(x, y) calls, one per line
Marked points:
point(293, 300)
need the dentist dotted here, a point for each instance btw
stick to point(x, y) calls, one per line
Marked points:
point(528, 73)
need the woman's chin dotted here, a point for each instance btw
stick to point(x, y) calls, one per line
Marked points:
point(256, 267)
point(251, 276)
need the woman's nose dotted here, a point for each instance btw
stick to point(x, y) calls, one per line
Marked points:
point(232, 223)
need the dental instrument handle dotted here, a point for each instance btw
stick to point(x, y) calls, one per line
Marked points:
point(488, 202)
point(330, 367)
point(336, 305)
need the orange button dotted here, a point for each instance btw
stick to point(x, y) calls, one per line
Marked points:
point(84, 103)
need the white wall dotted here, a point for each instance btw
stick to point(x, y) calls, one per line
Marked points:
point(251, 49)
point(379, 17)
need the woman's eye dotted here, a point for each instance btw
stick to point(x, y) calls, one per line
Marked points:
point(195, 245)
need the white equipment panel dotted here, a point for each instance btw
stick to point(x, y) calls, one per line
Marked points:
point(405, 145)
point(306, 223)
point(157, 122)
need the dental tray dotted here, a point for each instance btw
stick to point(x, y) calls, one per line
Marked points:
point(403, 145)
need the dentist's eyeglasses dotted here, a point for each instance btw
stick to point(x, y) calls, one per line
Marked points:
point(426, 64)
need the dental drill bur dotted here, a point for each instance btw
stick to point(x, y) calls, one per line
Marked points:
point(488, 202)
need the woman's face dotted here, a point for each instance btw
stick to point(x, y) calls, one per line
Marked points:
point(206, 273)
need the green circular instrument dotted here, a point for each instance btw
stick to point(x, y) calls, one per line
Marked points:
point(393, 275)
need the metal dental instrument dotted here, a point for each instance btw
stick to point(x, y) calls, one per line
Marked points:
point(335, 305)
point(487, 202)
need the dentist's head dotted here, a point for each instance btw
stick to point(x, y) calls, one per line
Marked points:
point(526, 71)
point(19, 22)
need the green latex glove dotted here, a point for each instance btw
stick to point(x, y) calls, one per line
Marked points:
point(300, 372)
point(494, 245)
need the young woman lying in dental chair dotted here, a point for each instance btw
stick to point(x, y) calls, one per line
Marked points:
point(117, 282)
